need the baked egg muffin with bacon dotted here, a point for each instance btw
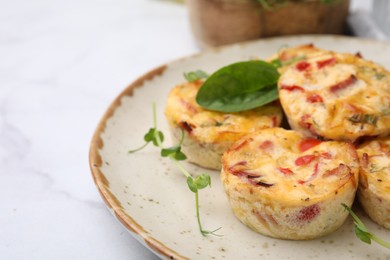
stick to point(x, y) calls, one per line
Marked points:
point(336, 96)
point(285, 185)
point(207, 134)
point(374, 180)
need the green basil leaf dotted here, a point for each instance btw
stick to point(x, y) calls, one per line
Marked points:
point(276, 63)
point(239, 86)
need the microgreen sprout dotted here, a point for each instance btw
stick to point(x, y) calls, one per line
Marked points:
point(362, 232)
point(278, 63)
point(195, 75)
point(176, 155)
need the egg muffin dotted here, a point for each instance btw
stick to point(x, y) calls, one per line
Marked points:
point(284, 185)
point(207, 134)
point(336, 96)
point(374, 182)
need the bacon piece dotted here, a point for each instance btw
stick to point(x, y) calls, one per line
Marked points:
point(274, 121)
point(239, 171)
point(342, 169)
point(326, 155)
point(186, 126)
point(305, 124)
point(304, 160)
point(343, 84)
point(241, 163)
point(263, 184)
point(292, 88)
point(353, 108)
point(324, 63)
point(266, 145)
point(359, 55)
point(309, 213)
point(303, 65)
point(314, 174)
point(308, 143)
point(365, 160)
point(188, 106)
point(314, 98)
point(240, 145)
point(286, 171)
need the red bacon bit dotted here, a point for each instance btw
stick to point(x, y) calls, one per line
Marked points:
point(359, 55)
point(308, 213)
point(385, 148)
point(308, 143)
point(284, 56)
point(342, 170)
point(309, 45)
point(252, 180)
point(324, 63)
point(240, 145)
point(343, 84)
point(304, 122)
point(301, 182)
point(188, 106)
point(266, 145)
point(365, 160)
point(326, 155)
point(186, 126)
point(286, 171)
point(274, 121)
point(303, 65)
point(314, 174)
point(235, 169)
point(354, 108)
point(263, 184)
point(314, 98)
point(292, 88)
point(304, 160)
point(241, 163)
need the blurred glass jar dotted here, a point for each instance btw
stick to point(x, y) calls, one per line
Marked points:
point(220, 22)
point(381, 11)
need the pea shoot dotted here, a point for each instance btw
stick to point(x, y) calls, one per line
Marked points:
point(362, 232)
point(156, 137)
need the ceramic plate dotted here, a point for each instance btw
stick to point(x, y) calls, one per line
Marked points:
point(149, 195)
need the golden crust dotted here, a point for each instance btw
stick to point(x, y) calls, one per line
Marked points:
point(374, 183)
point(336, 96)
point(284, 185)
point(209, 133)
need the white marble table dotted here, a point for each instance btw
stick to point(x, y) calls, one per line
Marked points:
point(61, 64)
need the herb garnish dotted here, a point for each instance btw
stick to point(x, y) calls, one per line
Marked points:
point(362, 232)
point(195, 75)
point(239, 86)
point(364, 118)
point(278, 63)
point(156, 137)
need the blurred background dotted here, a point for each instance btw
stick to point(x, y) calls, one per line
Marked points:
point(61, 65)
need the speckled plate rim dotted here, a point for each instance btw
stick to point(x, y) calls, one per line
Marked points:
point(95, 160)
